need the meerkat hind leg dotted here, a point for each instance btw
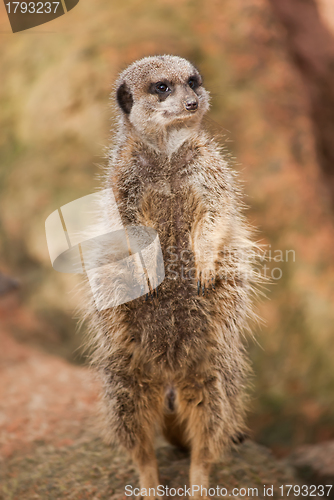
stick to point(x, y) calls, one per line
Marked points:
point(199, 474)
point(201, 409)
point(144, 457)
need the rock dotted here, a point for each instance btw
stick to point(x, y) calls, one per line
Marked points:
point(7, 284)
point(315, 464)
point(42, 397)
point(51, 450)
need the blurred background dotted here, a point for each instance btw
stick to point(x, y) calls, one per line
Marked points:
point(56, 121)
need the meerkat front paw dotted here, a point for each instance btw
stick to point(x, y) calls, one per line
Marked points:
point(206, 281)
point(153, 294)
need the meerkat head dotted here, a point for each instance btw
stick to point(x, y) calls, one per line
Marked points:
point(160, 95)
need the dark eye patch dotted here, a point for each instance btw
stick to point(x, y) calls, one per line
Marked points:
point(194, 82)
point(162, 89)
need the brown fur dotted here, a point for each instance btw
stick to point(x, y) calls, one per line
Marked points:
point(176, 362)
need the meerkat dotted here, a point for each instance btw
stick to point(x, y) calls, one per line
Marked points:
point(176, 362)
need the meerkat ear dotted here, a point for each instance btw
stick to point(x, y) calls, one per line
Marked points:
point(124, 98)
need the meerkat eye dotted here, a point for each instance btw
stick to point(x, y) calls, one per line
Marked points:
point(193, 82)
point(161, 88)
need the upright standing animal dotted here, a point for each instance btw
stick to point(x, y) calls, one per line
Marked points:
point(176, 362)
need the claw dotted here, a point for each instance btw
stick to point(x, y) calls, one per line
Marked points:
point(203, 290)
point(198, 286)
point(213, 286)
point(146, 296)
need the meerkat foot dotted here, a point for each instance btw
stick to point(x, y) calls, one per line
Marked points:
point(149, 480)
point(199, 481)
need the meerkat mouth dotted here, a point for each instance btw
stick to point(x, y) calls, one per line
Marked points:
point(179, 118)
point(181, 115)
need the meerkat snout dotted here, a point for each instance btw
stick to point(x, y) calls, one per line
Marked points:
point(191, 104)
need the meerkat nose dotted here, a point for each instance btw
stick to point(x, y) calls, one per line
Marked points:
point(191, 104)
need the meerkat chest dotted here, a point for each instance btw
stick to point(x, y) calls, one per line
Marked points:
point(175, 139)
point(157, 191)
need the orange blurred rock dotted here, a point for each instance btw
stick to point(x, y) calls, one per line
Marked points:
point(41, 397)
